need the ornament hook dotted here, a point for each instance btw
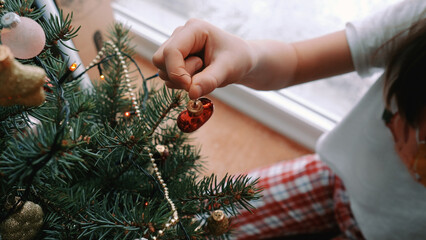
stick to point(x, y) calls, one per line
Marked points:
point(195, 107)
point(10, 20)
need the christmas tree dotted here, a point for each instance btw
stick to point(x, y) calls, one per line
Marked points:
point(105, 162)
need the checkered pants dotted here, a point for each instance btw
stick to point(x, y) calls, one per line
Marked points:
point(301, 196)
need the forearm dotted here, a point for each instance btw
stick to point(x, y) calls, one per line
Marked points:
point(274, 65)
point(277, 65)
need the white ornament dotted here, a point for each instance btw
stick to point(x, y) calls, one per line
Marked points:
point(25, 37)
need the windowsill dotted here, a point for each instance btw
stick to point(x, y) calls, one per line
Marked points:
point(275, 110)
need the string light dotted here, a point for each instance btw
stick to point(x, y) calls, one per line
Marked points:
point(175, 216)
point(101, 75)
point(70, 70)
point(73, 67)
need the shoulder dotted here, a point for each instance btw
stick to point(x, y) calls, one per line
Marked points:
point(367, 35)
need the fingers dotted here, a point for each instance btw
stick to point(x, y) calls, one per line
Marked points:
point(175, 68)
point(171, 64)
point(202, 82)
point(158, 58)
point(192, 65)
point(223, 55)
point(174, 59)
point(208, 80)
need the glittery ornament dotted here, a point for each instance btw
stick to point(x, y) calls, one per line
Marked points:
point(24, 224)
point(196, 114)
point(24, 36)
point(218, 223)
point(20, 84)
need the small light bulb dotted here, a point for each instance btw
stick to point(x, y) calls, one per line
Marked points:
point(73, 67)
point(127, 114)
point(102, 77)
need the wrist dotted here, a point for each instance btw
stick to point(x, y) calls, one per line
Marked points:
point(274, 65)
point(254, 71)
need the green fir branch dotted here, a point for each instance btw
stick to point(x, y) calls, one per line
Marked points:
point(23, 8)
point(59, 30)
point(159, 108)
point(230, 194)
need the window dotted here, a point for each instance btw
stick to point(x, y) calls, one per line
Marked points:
point(314, 107)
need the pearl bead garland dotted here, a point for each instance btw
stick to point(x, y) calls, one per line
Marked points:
point(125, 71)
point(175, 218)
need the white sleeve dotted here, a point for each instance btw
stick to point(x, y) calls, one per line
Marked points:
point(365, 37)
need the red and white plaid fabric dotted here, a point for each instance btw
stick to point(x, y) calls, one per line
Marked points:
point(301, 196)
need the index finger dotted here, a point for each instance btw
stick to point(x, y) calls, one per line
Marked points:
point(158, 57)
point(175, 67)
point(190, 39)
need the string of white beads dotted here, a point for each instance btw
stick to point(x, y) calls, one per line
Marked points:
point(121, 58)
point(175, 218)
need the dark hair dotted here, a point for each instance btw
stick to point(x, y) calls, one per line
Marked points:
point(405, 77)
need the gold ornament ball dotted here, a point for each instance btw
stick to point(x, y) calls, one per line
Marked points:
point(24, 224)
point(218, 223)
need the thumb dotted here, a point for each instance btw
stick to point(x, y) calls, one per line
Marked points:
point(206, 81)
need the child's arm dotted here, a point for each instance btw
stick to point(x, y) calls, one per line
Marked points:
point(200, 57)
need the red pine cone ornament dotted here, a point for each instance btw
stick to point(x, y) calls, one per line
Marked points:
point(196, 114)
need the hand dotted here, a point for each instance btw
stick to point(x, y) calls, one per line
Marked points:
point(200, 57)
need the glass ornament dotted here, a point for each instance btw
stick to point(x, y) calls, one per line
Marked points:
point(196, 114)
point(24, 36)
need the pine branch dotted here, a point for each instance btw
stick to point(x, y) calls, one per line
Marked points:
point(59, 29)
point(157, 111)
point(164, 115)
point(12, 112)
point(54, 206)
point(230, 194)
point(118, 221)
point(23, 8)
